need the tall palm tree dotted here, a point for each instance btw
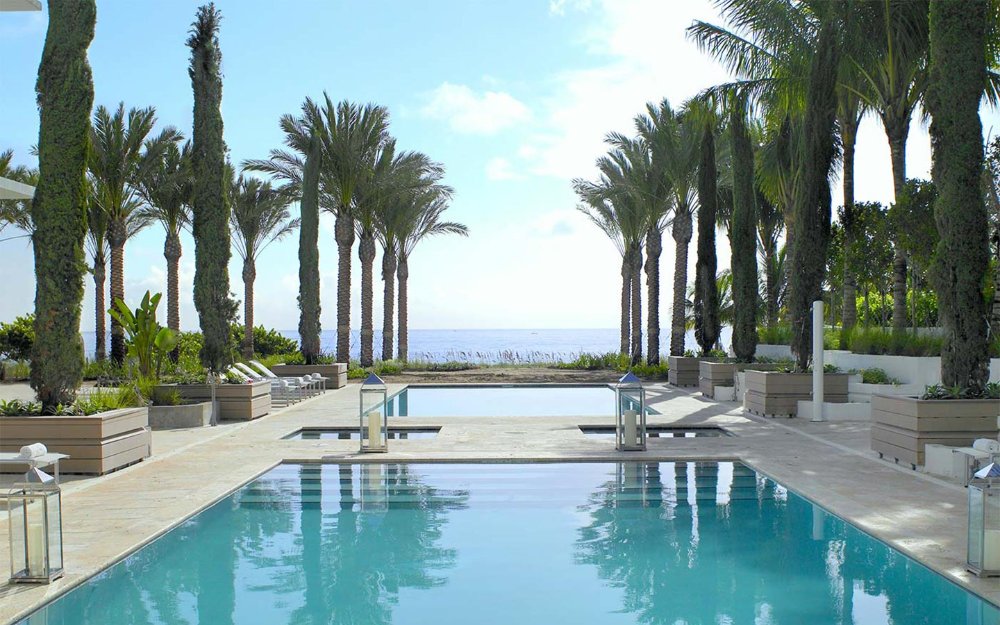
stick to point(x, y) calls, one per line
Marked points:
point(425, 221)
point(166, 189)
point(122, 154)
point(352, 139)
point(259, 217)
point(97, 246)
point(413, 181)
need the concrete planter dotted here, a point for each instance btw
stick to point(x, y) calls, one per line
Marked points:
point(336, 373)
point(861, 392)
point(684, 370)
point(712, 374)
point(771, 394)
point(903, 426)
point(777, 352)
point(182, 416)
point(96, 444)
point(237, 402)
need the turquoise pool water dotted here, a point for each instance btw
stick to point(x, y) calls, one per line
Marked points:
point(525, 544)
point(504, 401)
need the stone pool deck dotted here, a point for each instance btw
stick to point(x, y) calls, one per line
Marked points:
point(108, 517)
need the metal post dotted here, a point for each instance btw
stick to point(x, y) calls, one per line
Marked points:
point(817, 337)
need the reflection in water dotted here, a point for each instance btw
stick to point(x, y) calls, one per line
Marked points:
point(742, 550)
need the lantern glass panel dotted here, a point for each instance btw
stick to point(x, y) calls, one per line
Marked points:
point(18, 548)
point(53, 503)
point(991, 529)
point(373, 417)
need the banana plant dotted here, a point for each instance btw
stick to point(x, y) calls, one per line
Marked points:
point(148, 342)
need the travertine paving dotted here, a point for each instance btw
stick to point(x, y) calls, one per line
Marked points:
point(829, 463)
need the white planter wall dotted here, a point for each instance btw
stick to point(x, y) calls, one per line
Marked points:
point(779, 352)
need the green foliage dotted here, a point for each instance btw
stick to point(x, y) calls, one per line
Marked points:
point(148, 342)
point(878, 341)
point(17, 337)
point(16, 370)
point(309, 278)
point(102, 370)
point(938, 391)
point(266, 342)
point(743, 237)
point(657, 371)
point(65, 91)
point(98, 400)
point(591, 362)
point(877, 376)
point(912, 221)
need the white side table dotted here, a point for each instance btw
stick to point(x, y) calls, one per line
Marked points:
point(38, 462)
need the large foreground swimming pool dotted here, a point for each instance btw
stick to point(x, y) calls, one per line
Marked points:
point(504, 401)
point(653, 543)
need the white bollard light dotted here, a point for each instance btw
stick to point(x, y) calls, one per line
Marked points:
point(817, 337)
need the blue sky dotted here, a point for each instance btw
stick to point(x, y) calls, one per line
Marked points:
point(513, 97)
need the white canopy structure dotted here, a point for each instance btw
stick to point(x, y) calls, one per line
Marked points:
point(13, 190)
point(20, 5)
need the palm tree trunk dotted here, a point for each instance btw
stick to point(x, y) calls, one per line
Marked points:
point(849, 135)
point(249, 275)
point(343, 229)
point(626, 302)
point(636, 304)
point(896, 134)
point(681, 232)
point(172, 253)
point(403, 275)
point(366, 253)
point(100, 307)
point(654, 246)
point(388, 299)
point(116, 239)
point(771, 285)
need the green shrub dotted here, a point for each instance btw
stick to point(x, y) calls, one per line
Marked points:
point(265, 342)
point(592, 362)
point(883, 341)
point(98, 400)
point(651, 371)
point(16, 370)
point(938, 391)
point(877, 376)
point(17, 338)
point(102, 370)
point(775, 335)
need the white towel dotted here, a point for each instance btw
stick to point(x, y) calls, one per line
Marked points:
point(34, 450)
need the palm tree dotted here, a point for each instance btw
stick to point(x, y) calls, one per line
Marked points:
point(424, 221)
point(16, 213)
point(166, 190)
point(120, 157)
point(97, 246)
point(411, 183)
point(352, 139)
point(259, 217)
point(770, 223)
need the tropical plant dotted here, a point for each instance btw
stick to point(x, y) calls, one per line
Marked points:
point(148, 342)
point(17, 338)
point(259, 217)
point(210, 202)
point(425, 221)
point(958, 78)
point(122, 154)
point(65, 95)
point(166, 189)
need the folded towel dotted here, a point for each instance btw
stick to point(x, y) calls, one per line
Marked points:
point(34, 450)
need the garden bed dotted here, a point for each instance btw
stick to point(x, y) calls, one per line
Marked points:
point(772, 394)
point(903, 426)
point(237, 402)
point(96, 444)
point(336, 373)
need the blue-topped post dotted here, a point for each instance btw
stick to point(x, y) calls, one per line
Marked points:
point(374, 431)
point(630, 414)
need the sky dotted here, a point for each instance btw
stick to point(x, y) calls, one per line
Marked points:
point(514, 98)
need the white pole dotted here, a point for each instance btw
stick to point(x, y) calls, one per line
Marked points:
point(817, 414)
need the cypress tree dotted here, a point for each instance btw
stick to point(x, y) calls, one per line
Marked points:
point(744, 237)
point(210, 205)
point(65, 90)
point(706, 294)
point(957, 80)
point(813, 158)
point(309, 281)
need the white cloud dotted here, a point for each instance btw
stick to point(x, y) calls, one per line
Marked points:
point(466, 111)
point(500, 168)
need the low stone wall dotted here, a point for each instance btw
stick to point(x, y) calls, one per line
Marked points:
point(96, 444)
point(182, 416)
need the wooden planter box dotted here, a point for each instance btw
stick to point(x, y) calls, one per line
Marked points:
point(337, 373)
point(712, 374)
point(96, 444)
point(684, 370)
point(237, 402)
point(770, 393)
point(182, 416)
point(903, 426)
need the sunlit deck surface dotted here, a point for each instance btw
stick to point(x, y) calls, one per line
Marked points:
point(829, 463)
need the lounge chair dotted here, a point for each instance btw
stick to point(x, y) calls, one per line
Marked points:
point(316, 378)
point(283, 390)
point(304, 383)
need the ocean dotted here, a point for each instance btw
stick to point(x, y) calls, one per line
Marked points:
point(491, 346)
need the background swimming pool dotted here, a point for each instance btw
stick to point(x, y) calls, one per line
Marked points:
point(655, 543)
point(504, 401)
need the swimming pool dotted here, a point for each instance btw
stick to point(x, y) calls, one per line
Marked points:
point(587, 543)
point(504, 401)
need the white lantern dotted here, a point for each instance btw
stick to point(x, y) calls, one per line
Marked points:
point(35, 527)
point(983, 557)
point(630, 410)
point(374, 427)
